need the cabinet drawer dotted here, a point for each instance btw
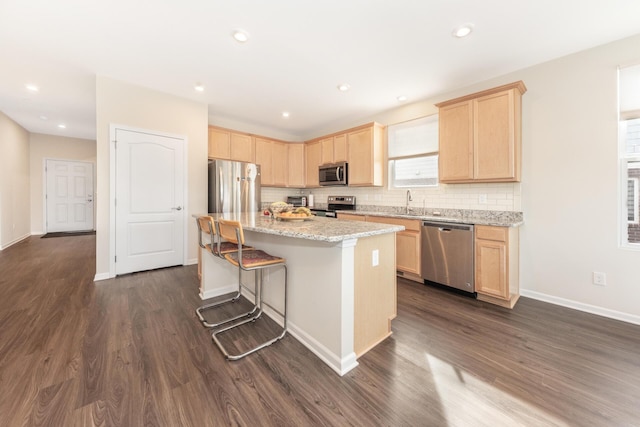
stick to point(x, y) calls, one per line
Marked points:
point(498, 234)
point(409, 224)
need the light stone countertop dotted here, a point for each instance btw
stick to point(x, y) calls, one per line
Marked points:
point(315, 228)
point(495, 218)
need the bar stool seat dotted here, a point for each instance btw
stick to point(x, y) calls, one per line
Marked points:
point(219, 248)
point(256, 260)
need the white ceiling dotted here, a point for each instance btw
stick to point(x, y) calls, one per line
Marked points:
point(298, 53)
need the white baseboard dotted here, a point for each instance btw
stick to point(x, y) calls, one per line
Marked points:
point(37, 233)
point(340, 366)
point(14, 241)
point(101, 276)
point(218, 291)
point(588, 308)
point(191, 261)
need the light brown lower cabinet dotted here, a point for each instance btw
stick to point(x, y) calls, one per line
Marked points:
point(408, 243)
point(497, 264)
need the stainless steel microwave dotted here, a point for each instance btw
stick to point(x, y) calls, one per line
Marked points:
point(333, 174)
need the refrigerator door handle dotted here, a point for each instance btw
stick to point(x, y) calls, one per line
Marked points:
point(221, 184)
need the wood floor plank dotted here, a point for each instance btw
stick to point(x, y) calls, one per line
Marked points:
point(130, 352)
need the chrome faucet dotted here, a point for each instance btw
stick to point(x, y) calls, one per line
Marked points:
point(409, 199)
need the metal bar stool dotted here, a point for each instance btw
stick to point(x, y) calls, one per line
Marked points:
point(219, 248)
point(256, 260)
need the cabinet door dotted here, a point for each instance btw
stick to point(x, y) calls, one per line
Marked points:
point(219, 143)
point(340, 148)
point(326, 146)
point(491, 268)
point(296, 165)
point(263, 158)
point(360, 157)
point(279, 163)
point(242, 148)
point(408, 251)
point(455, 128)
point(313, 153)
point(495, 136)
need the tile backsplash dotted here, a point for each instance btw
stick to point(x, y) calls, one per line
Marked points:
point(490, 196)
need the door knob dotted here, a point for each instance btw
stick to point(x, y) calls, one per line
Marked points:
point(179, 208)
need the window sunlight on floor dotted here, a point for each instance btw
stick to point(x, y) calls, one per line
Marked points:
point(466, 400)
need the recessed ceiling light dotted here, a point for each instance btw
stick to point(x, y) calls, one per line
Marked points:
point(43, 117)
point(463, 30)
point(199, 87)
point(285, 114)
point(31, 87)
point(62, 126)
point(344, 87)
point(401, 98)
point(241, 36)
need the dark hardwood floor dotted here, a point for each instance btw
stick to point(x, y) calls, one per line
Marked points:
point(131, 352)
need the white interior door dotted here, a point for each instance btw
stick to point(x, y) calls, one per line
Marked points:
point(149, 201)
point(68, 195)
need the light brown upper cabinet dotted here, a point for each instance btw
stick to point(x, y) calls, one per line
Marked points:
point(296, 170)
point(333, 149)
point(480, 136)
point(313, 155)
point(273, 158)
point(365, 155)
point(230, 145)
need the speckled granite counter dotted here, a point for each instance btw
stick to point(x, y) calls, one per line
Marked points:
point(461, 216)
point(315, 228)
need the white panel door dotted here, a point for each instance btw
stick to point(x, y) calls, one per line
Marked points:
point(69, 195)
point(149, 201)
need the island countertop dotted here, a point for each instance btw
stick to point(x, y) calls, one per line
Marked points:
point(314, 228)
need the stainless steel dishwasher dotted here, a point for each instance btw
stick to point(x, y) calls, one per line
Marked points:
point(447, 254)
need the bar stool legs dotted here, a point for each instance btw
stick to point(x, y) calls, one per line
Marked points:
point(253, 318)
point(219, 249)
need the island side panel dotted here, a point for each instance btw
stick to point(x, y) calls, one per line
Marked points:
point(375, 291)
point(321, 282)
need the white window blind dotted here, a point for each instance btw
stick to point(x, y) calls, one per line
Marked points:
point(413, 153)
point(415, 137)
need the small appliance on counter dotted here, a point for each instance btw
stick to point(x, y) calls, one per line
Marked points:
point(335, 204)
point(297, 200)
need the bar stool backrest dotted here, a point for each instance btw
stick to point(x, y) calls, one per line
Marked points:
point(231, 231)
point(205, 225)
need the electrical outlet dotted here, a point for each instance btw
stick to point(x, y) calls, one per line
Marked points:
point(375, 258)
point(482, 198)
point(599, 278)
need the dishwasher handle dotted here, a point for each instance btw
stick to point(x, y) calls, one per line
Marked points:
point(447, 227)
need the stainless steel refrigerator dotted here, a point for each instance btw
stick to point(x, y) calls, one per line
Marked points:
point(233, 186)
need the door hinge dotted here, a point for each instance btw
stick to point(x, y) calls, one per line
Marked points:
point(115, 258)
point(115, 202)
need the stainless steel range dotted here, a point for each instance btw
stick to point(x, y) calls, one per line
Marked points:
point(336, 203)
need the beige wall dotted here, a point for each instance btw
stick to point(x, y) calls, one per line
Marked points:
point(14, 182)
point(124, 104)
point(52, 147)
point(570, 180)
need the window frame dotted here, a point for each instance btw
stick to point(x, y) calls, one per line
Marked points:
point(624, 160)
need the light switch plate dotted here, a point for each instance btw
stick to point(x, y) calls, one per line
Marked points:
point(375, 258)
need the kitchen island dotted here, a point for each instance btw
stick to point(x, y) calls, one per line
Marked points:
point(342, 281)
